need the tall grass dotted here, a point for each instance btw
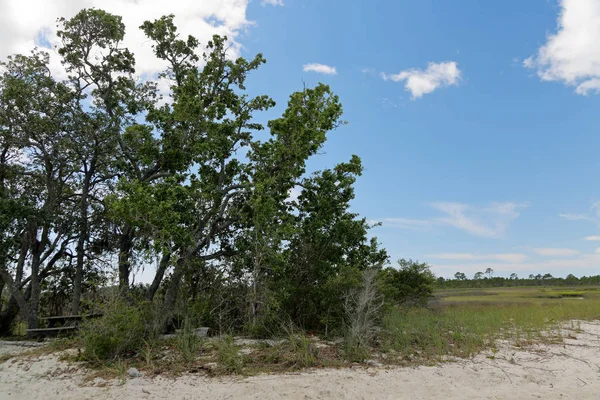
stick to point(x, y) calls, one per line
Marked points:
point(466, 329)
point(229, 358)
point(188, 343)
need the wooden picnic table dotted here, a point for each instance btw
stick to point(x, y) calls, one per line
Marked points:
point(60, 324)
point(63, 320)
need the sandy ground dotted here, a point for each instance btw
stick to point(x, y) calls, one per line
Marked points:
point(567, 371)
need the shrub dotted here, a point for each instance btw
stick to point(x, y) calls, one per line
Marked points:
point(268, 321)
point(411, 284)
point(228, 355)
point(363, 308)
point(188, 342)
point(119, 332)
point(304, 352)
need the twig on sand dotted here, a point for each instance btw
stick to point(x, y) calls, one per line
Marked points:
point(500, 368)
point(574, 358)
point(552, 371)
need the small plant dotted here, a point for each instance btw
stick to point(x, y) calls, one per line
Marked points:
point(305, 352)
point(228, 355)
point(188, 343)
point(119, 368)
point(147, 354)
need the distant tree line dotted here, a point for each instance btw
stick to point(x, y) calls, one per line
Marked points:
point(487, 279)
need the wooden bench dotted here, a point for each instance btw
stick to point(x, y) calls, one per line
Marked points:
point(62, 320)
point(60, 324)
point(43, 332)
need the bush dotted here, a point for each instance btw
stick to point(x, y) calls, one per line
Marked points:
point(228, 355)
point(188, 343)
point(363, 308)
point(304, 352)
point(119, 332)
point(411, 284)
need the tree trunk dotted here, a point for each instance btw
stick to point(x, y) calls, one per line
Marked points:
point(125, 246)
point(172, 292)
point(32, 315)
point(8, 316)
point(83, 235)
point(160, 273)
point(1, 290)
point(18, 302)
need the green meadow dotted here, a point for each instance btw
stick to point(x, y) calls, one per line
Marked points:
point(463, 322)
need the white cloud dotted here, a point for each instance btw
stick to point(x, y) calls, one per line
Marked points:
point(271, 3)
point(419, 82)
point(23, 21)
point(593, 238)
point(506, 257)
point(406, 223)
point(491, 221)
point(556, 252)
point(572, 54)
point(593, 215)
point(319, 68)
point(574, 217)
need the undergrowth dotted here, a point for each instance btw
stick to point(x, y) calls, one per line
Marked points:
point(414, 335)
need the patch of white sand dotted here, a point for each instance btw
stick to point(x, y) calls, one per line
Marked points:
point(567, 371)
point(10, 347)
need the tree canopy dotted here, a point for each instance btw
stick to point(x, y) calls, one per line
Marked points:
point(102, 174)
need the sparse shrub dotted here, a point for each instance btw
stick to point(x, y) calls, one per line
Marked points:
point(119, 332)
point(304, 351)
point(307, 354)
point(363, 308)
point(188, 343)
point(228, 356)
point(268, 321)
point(148, 354)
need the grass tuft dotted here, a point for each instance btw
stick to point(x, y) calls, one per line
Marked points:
point(229, 358)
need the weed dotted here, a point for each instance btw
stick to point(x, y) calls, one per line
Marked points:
point(228, 356)
point(188, 343)
point(305, 352)
point(119, 368)
point(148, 353)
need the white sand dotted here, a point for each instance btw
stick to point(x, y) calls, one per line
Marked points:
point(567, 371)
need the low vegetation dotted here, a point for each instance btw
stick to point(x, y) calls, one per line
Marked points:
point(462, 325)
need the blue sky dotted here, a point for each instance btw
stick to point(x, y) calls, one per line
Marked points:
point(475, 173)
point(476, 121)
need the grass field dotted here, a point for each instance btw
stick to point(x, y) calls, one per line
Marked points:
point(511, 295)
point(462, 322)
